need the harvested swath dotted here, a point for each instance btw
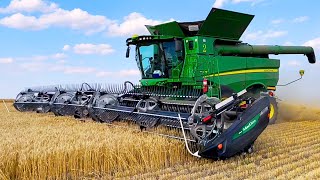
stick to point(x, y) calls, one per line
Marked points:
point(286, 150)
point(283, 151)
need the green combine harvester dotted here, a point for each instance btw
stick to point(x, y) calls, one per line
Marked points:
point(197, 77)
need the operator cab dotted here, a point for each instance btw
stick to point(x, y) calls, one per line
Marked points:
point(155, 57)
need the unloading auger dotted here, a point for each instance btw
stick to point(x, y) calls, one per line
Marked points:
point(197, 78)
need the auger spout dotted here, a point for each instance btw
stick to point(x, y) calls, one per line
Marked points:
point(246, 49)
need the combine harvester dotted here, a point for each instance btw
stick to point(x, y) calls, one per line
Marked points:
point(197, 77)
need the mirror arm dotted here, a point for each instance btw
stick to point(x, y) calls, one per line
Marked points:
point(301, 72)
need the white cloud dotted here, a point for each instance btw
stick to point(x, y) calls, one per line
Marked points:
point(274, 34)
point(295, 20)
point(34, 66)
point(20, 21)
point(300, 19)
point(104, 74)
point(131, 72)
point(29, 6)
point(288, 43)
point(253, 2)
point(315, 43)
point(101, 49)
point(38, 58)
point(43, 66)
point(77, 70)
point(121, 73)
point(132, 24)
point(75, 19)
point(66, 47)
point(294, 63)
point(265, 35)
point(240, 1)
point(55, 67)
point(57, 56)
point(61, 61)
point(219, 3)
point(277, 21)
point(6, 60)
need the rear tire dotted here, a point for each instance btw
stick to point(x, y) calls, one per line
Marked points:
point(258, 91)
point(273, 110)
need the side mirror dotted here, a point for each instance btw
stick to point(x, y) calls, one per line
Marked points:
point(178, 45)
point(301, 72)
point(128, 52)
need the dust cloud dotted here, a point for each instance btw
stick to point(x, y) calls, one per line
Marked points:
point(291, 112)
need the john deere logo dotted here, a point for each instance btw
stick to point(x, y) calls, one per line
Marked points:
point(247, 127)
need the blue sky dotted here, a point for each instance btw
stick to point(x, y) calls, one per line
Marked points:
point(47, 42)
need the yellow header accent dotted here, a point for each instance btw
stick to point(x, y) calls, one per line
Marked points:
point(244, 71)
point(271, 88)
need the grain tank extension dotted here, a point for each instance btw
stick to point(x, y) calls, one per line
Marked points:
point(196, 77)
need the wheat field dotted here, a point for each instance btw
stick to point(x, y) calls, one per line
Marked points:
point(42, 146)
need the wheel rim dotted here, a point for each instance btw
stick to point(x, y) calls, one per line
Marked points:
point(271, 111)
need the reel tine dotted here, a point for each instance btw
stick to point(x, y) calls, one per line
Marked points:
point(110, 87)
point(116, 89)
point(119, 90)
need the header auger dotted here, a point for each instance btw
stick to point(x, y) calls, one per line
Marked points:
point(197, 77)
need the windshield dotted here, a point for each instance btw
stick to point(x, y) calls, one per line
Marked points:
point(156, 60)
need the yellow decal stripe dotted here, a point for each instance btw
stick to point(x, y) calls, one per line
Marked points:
point(271, 88)
point(244, 71)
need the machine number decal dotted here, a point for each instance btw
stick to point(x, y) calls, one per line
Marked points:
point(204, 48)
point(250, 125)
